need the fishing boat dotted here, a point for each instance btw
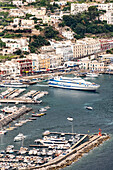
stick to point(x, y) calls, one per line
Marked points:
point(19, 137)
point(74, 83)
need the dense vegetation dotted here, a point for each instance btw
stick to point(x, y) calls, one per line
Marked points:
point(36, 42)
point(87, 22)
point(2, 44)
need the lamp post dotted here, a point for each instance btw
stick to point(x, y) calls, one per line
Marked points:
point(71, 120)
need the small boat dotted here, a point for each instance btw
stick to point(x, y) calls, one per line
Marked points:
point(89, 108)
point(92, 75)
point(43, 110)
point(19, 137)
point(38, 114)
point(2, 132)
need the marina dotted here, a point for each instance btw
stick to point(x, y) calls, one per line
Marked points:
point(56, 127)
point(59, 155)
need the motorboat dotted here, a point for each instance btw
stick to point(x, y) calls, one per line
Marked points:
point(2, 132)
point(38, 114)
point(93, 75)
point(89, 107)
point(73, 83)
point(19, 137)
point(12, 83)
point(43, 110)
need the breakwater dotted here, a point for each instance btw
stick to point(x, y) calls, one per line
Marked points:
point(75, 154)
point(10, 117)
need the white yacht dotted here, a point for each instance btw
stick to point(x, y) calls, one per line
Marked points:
point(93, 75)
point(75, 83)
point(19, 137)
point(12, 83)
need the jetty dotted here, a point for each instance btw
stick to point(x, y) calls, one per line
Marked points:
point(77, 151)
point(20, 100)
point(57, 156)
point(16, 114)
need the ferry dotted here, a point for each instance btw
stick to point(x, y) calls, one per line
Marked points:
point(74, 83)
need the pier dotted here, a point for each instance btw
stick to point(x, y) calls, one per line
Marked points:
point(43, 157)
point(75, 154)
point(20, 100)
point(10, 117)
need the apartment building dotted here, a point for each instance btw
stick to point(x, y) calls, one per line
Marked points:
point(86, 47)
point(25, 65)
point(10, 68)
point(91, 65)
point(35, 61)
point(44, 61)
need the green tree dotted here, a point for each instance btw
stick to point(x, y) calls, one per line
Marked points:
point(50, 32)
point(2, 44)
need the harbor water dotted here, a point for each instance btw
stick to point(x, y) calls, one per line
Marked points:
point(71, 103)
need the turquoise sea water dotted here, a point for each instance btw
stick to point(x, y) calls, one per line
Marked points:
point(70, 103)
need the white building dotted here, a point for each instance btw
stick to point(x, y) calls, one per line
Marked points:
point(17, 13)
point(20, 43)
point(68, 34)
point(78, 8)
point(35, 61)
point(108, 16)
point(91, 65)
point(106, 7)
point(30, 1)
point(10, 68)
point(60, 3)
point(18, 2)
point(86, 46)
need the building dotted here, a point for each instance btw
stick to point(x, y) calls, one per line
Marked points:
point(30, 1)
point(91, 65)
point(68, 34)
point(15, 44)
point(108, 16)
point(106, 6)
point(18, 2)
point(60, 3)
point(25, 65)
point(16, 12)
point(39, 13)
point(35, 61)
point(78, 8)
point(44, 61)
point(86, 46)
point(10, 68)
